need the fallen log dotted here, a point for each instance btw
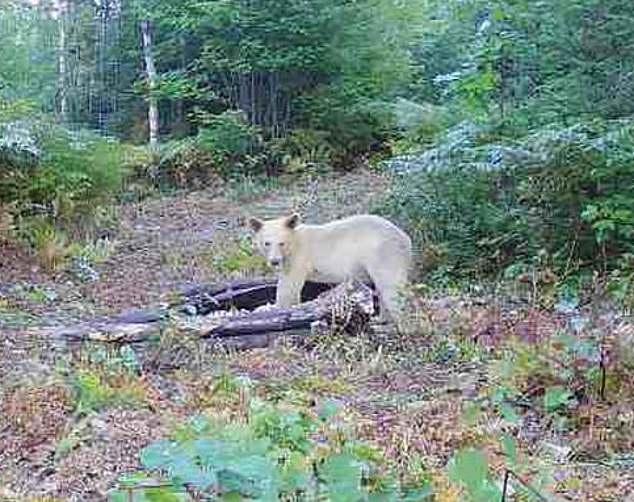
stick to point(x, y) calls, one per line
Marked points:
point(346, 306)
point(342, 305)
point(242, 294)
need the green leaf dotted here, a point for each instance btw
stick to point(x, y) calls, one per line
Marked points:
point(556, 398)
point(185, 471)
point(253, 476)
point(510, 449)
point(328, 410)
point(342, 474)
point(508, 413)
point(423, 493)
point(160, 455)
point(295, 472)
point(469, 467)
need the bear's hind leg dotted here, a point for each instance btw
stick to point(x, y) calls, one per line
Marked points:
point(389, 285)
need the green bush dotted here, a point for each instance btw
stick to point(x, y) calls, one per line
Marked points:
point(78, 168)
point(225, 146)
point(183, 165)
point(275, 453)
point(235, 146)
point(303, 151)
point(476, 205)
point(65, 174)
point(351, 128)
point(462, 220)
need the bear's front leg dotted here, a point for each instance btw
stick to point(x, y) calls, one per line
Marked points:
point(289, 290)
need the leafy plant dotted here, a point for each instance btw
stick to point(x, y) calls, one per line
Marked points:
point(469, 467)
point(49, 244)
point(242, 258)
point(108, 381)
point(475, 207)
point(94, 252)
point(274, 454)
point(556, 398)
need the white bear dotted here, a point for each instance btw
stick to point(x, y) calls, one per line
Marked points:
point(358, 247)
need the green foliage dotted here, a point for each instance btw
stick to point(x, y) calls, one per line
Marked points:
point(226, 134)
point(551, 378)
point(28, 67)
point(153, 490)
point(240, 258)
point(469, 467)
point(92, 394)
point(123, 360)
point(95, 392)
point(108, 379)
point(461, 223)
point(327, 66)
point(77, 172)
point(276, 453)
point(477, 207)
point(523, 188)
point(17, 109)
point(232, 142)
point(304, 151)
point(68, 177)
point(245, 78)
point(556, 398)
point(49, 243)
point(526, 63)
point(92, 252)
point(182, 164)
point(225, 147)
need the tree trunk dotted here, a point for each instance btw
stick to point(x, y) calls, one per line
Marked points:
point(62, 66)
point(153, 116)
point(245, 294)
point(347, 306)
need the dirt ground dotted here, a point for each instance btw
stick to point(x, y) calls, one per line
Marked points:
point(400, 399)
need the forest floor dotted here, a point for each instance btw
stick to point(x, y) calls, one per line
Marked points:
point(407, 396)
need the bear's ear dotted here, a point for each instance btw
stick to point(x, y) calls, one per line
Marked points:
point(255, 224)
point(292, 221)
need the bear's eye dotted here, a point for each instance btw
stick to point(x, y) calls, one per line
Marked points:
point(282, 244)
point(267, 244)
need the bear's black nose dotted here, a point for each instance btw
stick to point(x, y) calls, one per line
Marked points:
point(275, 262)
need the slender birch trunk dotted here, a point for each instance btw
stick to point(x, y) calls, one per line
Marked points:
point(153, 115)
point(62, 65)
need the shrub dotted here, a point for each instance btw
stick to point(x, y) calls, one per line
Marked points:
point(183, 165)
point(351, 130)
point(239, 258)
point(275, 453)
point(49, 244)
point(77, 173)
point(476, 206)
point(95, 391)
point(461, 220)
point(235, 146)
point(303, 151)
point(225, 146)
point(108, 378)
point(64, 175)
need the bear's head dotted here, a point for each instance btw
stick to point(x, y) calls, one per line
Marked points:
point(274, 239)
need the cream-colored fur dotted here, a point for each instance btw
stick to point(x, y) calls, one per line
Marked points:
point(359, 247)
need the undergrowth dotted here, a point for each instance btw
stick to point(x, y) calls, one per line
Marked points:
point(268, 452)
